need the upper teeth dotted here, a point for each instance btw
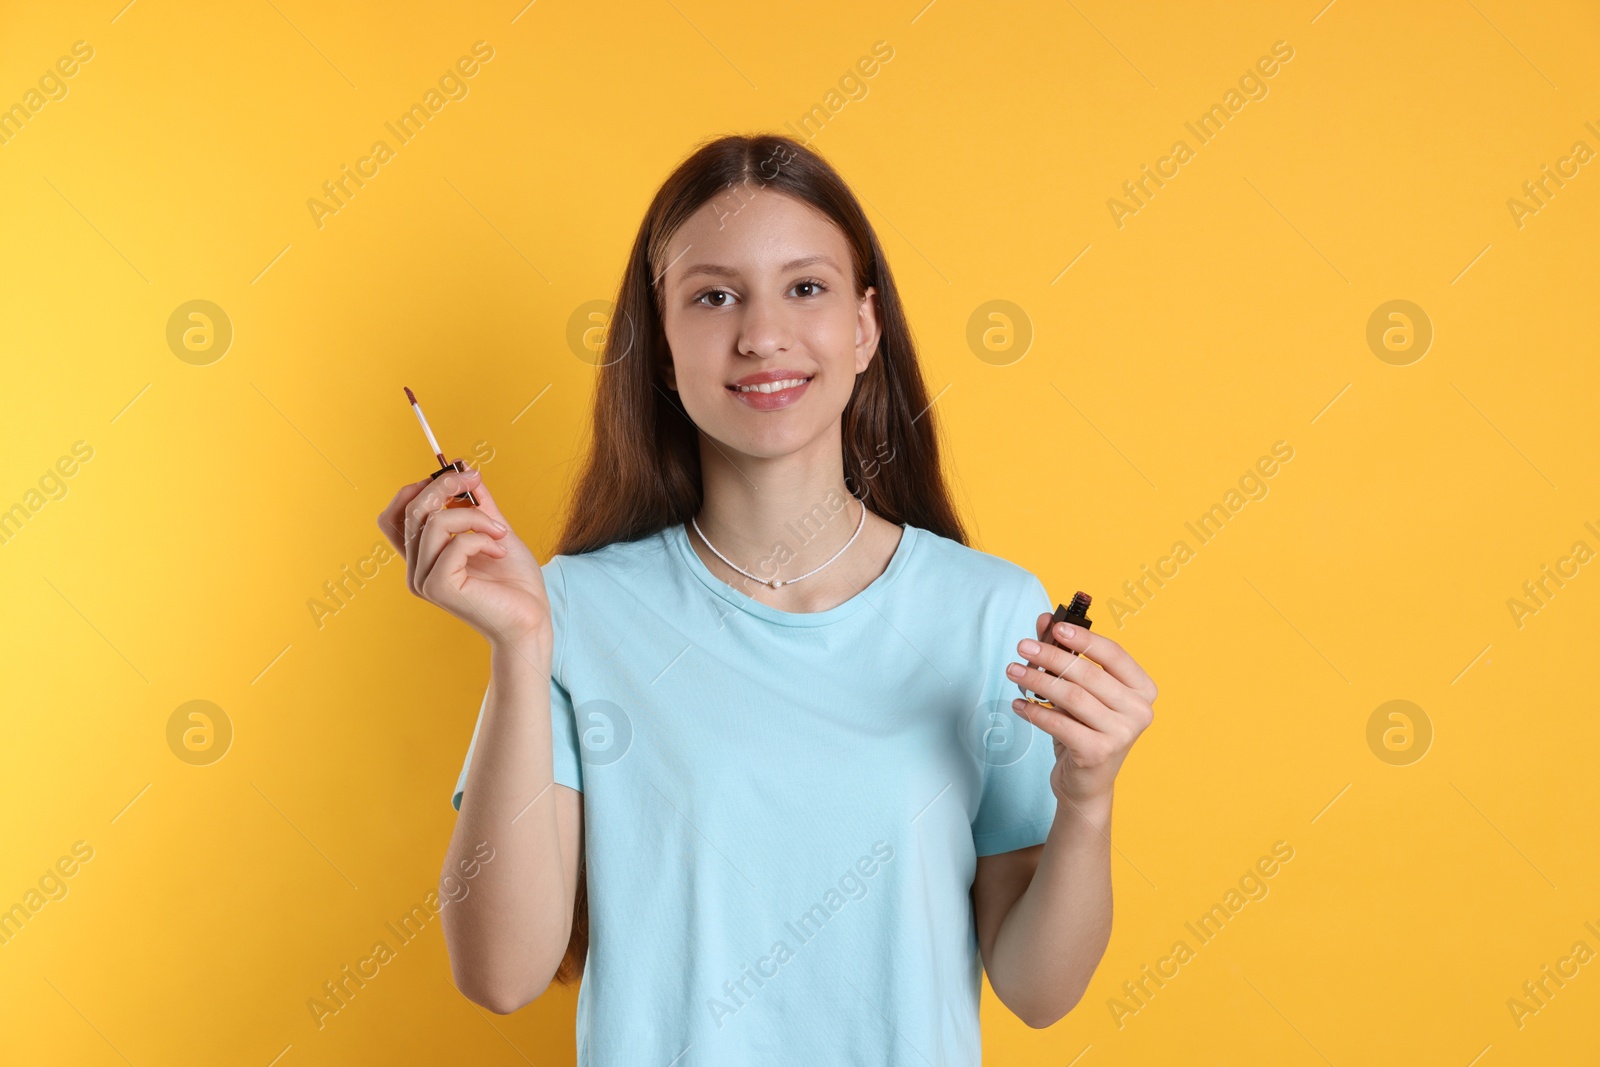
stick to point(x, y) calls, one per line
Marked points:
point(772, 387)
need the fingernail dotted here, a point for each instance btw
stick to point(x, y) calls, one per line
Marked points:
point(1029, 647)
point(1063, 629)
point(1015, 670)
point(498, 525)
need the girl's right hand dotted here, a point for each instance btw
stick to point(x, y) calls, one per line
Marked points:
point(468, 561)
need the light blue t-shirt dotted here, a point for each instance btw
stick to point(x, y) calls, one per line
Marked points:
point(783, 811)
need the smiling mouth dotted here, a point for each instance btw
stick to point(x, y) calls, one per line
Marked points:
point(770, 387)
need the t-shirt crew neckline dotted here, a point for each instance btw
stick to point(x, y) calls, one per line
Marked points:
point(679, 534)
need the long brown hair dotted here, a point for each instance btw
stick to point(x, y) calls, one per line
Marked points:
point(642, 471)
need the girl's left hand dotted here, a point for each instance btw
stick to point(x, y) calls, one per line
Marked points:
point(1102, 704)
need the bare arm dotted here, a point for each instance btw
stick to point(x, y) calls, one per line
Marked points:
point(507, 935)
point(508, 931)
point(1044, 916)
point(1044, 913)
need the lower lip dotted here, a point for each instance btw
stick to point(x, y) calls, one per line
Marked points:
point(773, 401)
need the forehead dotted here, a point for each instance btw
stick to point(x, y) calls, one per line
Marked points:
point(754, 231)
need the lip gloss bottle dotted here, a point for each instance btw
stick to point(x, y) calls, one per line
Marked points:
point(1074, 614)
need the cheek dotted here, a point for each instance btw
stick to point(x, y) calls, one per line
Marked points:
point(696, 372)
point(688, 344)
point(698, 382)
point(834, 346)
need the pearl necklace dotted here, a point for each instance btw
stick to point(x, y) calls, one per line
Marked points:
point(776, 582)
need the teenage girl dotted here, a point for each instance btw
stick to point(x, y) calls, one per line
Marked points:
point(749, 756)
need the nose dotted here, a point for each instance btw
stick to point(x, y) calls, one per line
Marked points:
point(764, 327)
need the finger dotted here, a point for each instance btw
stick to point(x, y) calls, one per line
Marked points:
point(443, 584)
point(1064, 694)
point(429, 501)
point(473, 482)
point(1108, 654)
point(392, 518)
point(1041, 627)
point(438, 492)
point(1062, 727)
point(438, 531)
point(1059, 663)
point(486, 499)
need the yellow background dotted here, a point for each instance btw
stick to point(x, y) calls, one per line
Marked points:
point(1229, 313)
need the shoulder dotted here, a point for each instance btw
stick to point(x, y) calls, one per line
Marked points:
point(597, 592)
point(615, 561)
point(977, 573)
point(620, 570)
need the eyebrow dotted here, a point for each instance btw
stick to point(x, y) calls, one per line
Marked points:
point(720, 271)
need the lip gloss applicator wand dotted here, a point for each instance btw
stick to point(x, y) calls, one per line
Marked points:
point(460, 500)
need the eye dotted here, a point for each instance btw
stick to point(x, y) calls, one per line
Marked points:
point(724, 293)
point(712, 292)
point(814, 284)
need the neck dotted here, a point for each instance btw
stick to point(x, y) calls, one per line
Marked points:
point(778, 517)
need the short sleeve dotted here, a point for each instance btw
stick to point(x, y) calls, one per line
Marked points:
point(564, 755)
point(1017, 806)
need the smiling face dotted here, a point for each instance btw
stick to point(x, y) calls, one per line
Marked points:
point(760, 289)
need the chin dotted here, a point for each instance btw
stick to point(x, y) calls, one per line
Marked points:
point(762, 442)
